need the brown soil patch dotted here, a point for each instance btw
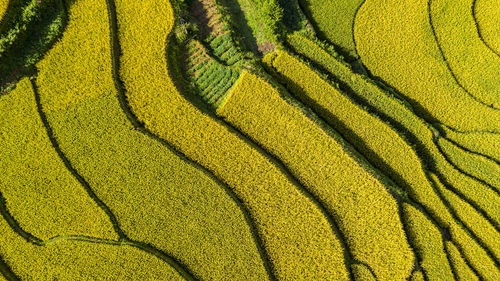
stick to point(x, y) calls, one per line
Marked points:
point(208, 16)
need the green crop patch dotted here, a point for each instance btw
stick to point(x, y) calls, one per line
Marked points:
point(210, 78)
point(250, 140)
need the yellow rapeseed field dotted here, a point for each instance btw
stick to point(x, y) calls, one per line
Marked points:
point(30, 163)
point(481, 143)
point(396, 42)
point(400, 113)
point(476, 165)
point(334, 20)
point(475, 66)
point(353, 141)
point(296, 235)
point(461, 268)
point(428, 244)
point(362, 272)
point(365, 211)
point(487, 13)
point(157, 196)
point(3, 8)
point(78, 260)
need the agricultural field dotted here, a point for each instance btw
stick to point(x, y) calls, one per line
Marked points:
point(250, 140)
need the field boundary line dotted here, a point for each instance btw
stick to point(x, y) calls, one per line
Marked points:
point(434, 34)
point(138, 125)
point(478, 29)
point(426, 169)
point(7, 272)
point(69, 166)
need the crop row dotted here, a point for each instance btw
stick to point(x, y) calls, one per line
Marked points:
point(407, 57)
point(3, 9)
point(210, 78)
point(472, 248)
point(402, 118)
point(225, 49)
point(362, 272)
point(428, 243)
point(482, 168)
point(295, 234)
point(462, 270)
point(365, 211)
point(372, 137)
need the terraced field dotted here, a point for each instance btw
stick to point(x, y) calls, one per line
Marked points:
point(249, 140)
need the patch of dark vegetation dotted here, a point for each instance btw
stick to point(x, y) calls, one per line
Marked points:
point(25, 45)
